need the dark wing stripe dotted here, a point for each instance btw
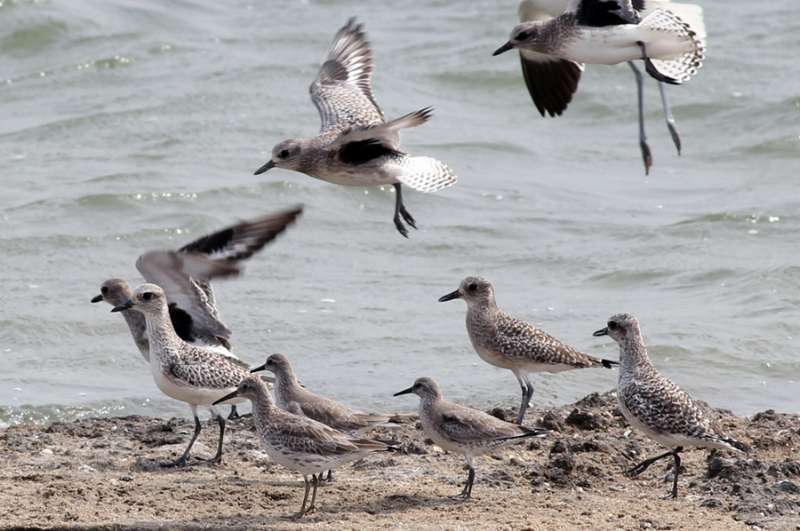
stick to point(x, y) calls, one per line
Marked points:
point(362, 151)
point(181, 322)
point(551, 84)
point(600, 13)
point(242, 240)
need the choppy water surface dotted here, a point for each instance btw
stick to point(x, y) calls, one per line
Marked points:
point(128, 125)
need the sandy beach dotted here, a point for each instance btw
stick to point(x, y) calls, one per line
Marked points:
point(104, 473)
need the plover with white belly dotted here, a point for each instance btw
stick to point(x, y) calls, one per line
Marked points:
point(551, 80)
point(299, 443)
point(669, 38)
point(510, 343)
point(654, 405)
point(185, 276)
point(356, 146)
point(463, 430)
point(193, 374)
point(291, 396)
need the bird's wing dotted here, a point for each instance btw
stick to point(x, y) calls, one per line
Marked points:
point(600, 13)
point(302, 434)
point(551, 81)
point(186, 275)
point(206, 370)
point(523, 340)
point(239, 242)
point(384, 133)
point(465, 425)
point(342, 91)
point(174, 272)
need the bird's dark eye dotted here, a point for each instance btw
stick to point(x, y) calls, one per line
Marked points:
point(612, 325)
point(473, 287)
point(283, 154)
point(104, 290)
point(522, 35)
point(148, 296)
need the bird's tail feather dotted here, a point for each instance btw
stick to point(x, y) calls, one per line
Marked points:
point(529, 432)
point(424, 174)
point(683, 67)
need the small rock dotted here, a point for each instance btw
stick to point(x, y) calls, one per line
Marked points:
point(559, 447)
point(46, 452)
point(585, 420)
point(711, 503)
point(498, 413)
point(552, 422)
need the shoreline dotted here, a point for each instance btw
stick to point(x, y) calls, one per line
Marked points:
point(103, 473)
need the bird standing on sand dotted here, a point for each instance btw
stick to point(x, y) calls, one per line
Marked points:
point(299, 443)
point(610, 32)
point(193, 374)
point(356, 146)
point(186, 274)
point(464, 430)
point(654, 405)
point(293, 397)
point(551, 81)
point(510, 343)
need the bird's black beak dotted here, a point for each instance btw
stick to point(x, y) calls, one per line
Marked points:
point(404, 392)
point(122, 307)
point(601, 332)
point(268, 166)
point(450, 296)
point(97, 298)
point(259, 368)
point(227, 397)
point(504, 48)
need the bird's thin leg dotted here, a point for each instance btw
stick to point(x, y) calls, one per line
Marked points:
point(670, 119)
point(677, 459)
point(644, 465)
point(233, 415)
point(221, 421)
point(398, 202)
point(305, 499)
point(647, 156)
point(529, 395)
point(523, 407)
point(470, 481)
point(181, 461)
point(400, 211)
point(315, 480)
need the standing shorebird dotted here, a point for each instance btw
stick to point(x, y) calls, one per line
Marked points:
point(510, 343)
point(293, 397)
point(186, 274)
point(654, 405)
point(288, 391)
point(556, 37)
point(193, 374)
point(299, 443)
point(457, 428)
point(356, 146)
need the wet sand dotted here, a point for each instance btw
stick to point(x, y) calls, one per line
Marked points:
point(104, 474)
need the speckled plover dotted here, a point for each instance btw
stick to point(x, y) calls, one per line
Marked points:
point(654, 405)
point(464, 430)
point(510, 343)
point(356, 146)
point(193, 374)
point(299, 443)
point(186, 274)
